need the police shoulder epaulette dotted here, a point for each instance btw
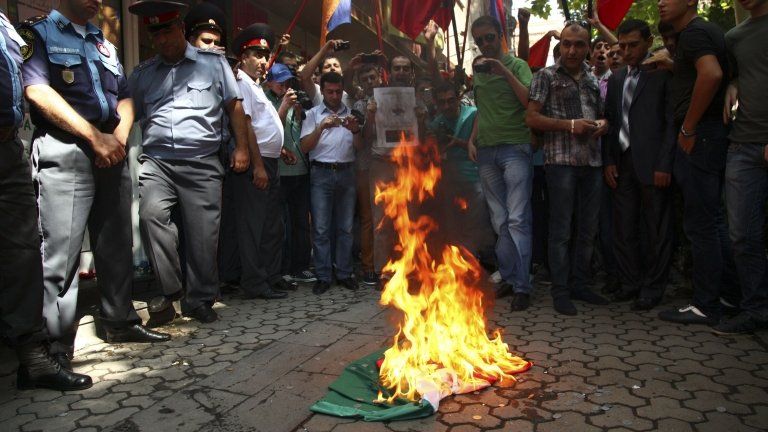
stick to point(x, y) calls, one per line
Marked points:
point(145, 64)
point(209, 51)
point(32, 21)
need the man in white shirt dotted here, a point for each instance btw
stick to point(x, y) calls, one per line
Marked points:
point(329, 134)
point(259, 214)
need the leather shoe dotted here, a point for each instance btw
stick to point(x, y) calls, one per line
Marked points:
point(320, 287)
point(503, 290)
point(612, 285)
point(520, 302)
point(39, 369)
point(588, 296)
point(348, 283)
point(283, 285)
point(63, 360)
point(645, 303)
point(622, 296)
point(135, 333)
point(204, 314)
point(268, 294)
point(563, 305)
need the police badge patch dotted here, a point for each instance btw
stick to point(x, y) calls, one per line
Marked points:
point(29, 37)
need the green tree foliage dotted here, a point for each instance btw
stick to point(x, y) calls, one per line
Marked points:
point(718, 11)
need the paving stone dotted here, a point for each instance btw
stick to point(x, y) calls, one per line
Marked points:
point(102, 405)
point(337, 356)
point(674, 425)
point(16, 422)
point(108, 419)
point(759, 420)
point(718, 422)
point(322, 423)
point(696, 382)
point(663, 407)
point(620, 416)
point(568, 421)
point(427, 424)
point(55, 424)
point(656, 388)
point(571, 401)
point(616, 395)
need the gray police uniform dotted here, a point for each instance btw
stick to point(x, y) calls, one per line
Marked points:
point(72, 192)
point(20, 264)
point(180, 108)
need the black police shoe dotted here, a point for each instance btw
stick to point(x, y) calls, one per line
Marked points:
point(503, 289)
point(520, 302)
point(588, 296)
point(204, 314)
point(645, 304)
point(564, 306)
point(348, 283)
point(320, 287)
point(268, 294)
point(135, 333)
point(38, 369)
point(742, 323)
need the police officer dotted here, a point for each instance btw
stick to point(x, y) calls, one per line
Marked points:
point(204, 27)
point(22, 282)
point(180, 97)
point(82, 110)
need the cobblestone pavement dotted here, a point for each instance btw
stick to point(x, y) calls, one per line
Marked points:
point(263, 364)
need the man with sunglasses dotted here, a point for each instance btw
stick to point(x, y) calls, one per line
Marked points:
point(180, 97)
point(501, 144)
point(566, 111)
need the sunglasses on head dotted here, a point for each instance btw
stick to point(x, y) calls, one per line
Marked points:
point(580, 23)
point(487, 38)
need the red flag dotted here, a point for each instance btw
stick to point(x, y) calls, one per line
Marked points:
point(539, 52)
point(612, 12)
point(410, 17)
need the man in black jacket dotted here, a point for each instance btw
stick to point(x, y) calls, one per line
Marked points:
point(638, 166)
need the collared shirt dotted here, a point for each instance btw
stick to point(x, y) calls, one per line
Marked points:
point(85, 71)
point(603, 82)
point(335, 144)
point(11, 93)
point(291, 137)
point(180, 107)
point(563, 97)
point(264, 118)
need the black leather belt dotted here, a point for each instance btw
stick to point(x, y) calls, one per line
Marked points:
point(8, 133)
point(336, 166)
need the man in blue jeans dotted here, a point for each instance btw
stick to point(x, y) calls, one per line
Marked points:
point(565, 108)
point(746, 176)
point(501, 144)
point(329, 134)
point(698, 89)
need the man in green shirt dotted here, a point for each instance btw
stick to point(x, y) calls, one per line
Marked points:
point(501, 144)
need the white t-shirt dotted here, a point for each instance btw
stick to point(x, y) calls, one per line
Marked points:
point(264, 118)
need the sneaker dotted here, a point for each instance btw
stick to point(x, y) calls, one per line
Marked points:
point(304, 276)
point(542, 276)
point(503, 290)
point(495, 277)
point(742, 323)
point(729, 309)
point(564, 306)
point(370, 278)
point(686, 315)
point(320, 287)
point(520, 301)
point(348, 283)
point(283, 285)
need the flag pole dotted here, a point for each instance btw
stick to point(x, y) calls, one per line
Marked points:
point(459, 54)
point(287, 31)
point(566, 12)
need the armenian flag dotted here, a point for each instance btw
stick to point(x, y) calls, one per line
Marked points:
point(335, 13)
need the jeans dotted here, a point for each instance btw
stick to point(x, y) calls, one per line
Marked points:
point(333, 200)
point(574, 191)
point(700, 176)
point(746, 190)
point(506, 174)
point(365, 212)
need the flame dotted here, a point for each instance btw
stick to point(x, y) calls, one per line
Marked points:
point(442, 343)
point(461, 203)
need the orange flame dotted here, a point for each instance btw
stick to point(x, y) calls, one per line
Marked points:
point(461, 203)
point(442, 343)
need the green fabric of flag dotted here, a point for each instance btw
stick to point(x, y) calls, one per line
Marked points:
point(353, 393)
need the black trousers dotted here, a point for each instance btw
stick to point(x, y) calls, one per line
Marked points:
point(21, 267)
point(644, 271)
point(294, 191)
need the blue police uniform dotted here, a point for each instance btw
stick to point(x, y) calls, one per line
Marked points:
point(181, 110)
point(72, 192)
point(20, 262)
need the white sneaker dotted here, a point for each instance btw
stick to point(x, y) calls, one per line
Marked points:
point(495, 277)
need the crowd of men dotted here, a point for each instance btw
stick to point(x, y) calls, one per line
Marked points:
point(251, 175)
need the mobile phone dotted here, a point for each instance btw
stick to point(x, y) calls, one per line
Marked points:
point(481, 68)
point(343, 45)
point(370, 58)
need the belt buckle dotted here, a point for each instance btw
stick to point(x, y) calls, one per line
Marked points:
point(334, 166)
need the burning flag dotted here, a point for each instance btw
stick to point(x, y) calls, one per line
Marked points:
point(442, 345)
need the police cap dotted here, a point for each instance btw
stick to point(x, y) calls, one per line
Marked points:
point(157, 14)
point(205, 16)
point(258, 35)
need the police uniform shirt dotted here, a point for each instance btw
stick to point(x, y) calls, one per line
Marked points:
point(85, 71)
point(335, 144)
point(264, 118)
point(180, 107)
point(11, 93)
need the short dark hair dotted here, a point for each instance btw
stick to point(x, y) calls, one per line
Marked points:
point(631, 25)
point(367, 67)
point(578, 25)
point(329, 58)
point(413, 69)
point(666, 28)
point(444, 87)
point(486, 21)
point(597, 40)
point(287, 55)
point(330, 77)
